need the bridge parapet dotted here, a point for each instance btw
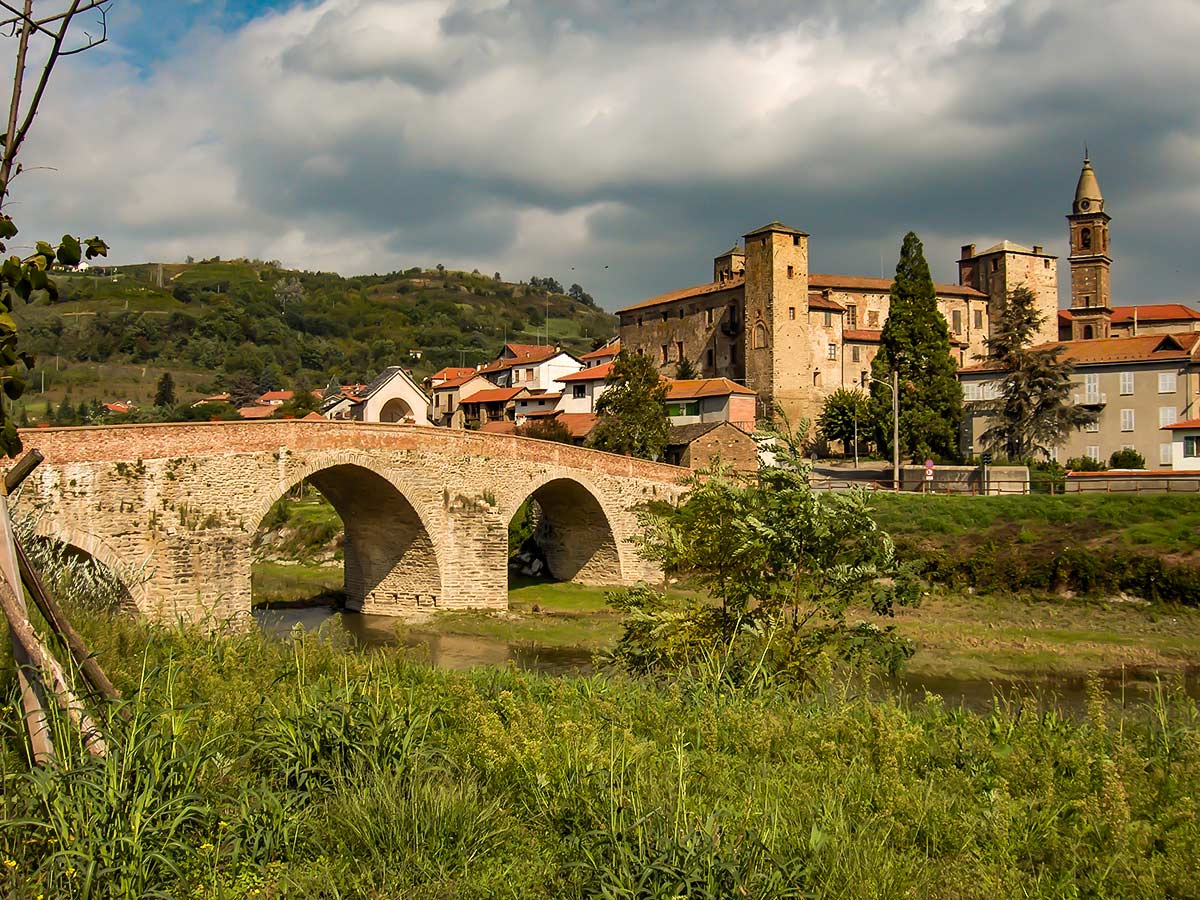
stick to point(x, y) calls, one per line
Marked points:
point(426, 510)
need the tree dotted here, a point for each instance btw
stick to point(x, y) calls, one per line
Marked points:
point(784, 564)
point(302, 402)
point(632, 411)
point(576, 292)
point(20, 278)
point(916, 343)
point(1034, 412)
point(546, 429)
point(1127, 459)
point(685, 371)
point(164, 396)
point(845, 417)
point(243, 390)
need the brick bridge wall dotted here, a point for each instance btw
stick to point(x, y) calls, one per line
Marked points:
point(173, 508)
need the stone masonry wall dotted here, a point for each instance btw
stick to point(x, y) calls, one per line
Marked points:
point(173, 508)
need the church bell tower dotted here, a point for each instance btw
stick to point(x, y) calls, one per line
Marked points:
point(1091, 293)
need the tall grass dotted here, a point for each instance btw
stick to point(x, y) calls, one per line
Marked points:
point(249, 769)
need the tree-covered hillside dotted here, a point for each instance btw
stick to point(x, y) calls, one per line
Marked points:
point(111, 333)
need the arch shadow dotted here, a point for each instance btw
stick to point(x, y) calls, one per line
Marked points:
point(574, 533)
point(71, 559)
point(391, 564)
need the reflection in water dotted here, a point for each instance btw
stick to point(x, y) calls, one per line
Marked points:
point(460, 651)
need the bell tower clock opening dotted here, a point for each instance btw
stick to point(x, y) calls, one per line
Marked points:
point(1091, 292)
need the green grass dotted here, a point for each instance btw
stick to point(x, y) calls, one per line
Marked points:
point(273, 582)
point(254, 769)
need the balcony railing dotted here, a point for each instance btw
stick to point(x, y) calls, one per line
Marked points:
point(1091, 398)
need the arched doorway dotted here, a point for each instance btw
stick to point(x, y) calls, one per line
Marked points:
point(396, 410)
point(356, 521)
point(561, 533)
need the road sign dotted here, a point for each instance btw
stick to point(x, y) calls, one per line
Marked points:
point(987, 459)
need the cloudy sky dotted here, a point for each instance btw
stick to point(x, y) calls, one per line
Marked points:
point(563, 136)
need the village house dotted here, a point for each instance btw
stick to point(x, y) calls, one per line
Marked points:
point(392, 397)
point(534, 367)
point(1185, 445)
point(449, 393)
point(491, 405)
point(710, 400)
point(699, 445)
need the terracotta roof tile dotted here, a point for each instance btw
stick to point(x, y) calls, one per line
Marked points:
point(579, 425)
point(498, 427)
point(256, 412)
point(817, 300)
point(601, 352)
point(1143, 348)
point(862, 335)
point(699, 290)
point(1186, 423)
point(595, 373)
point(1146, 312)
point(704, 387)
point(451, 372)
point(498, 395)
point(456, 382)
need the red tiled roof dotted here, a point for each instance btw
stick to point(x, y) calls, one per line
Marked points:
point(497, 395)
point(862, 335)
point(818, 301)
point(1146, 312)
point(526, 349)
point(456, 382)
point(450, 372)
point(704, 387)
point(579, 425)
point(595, 373)
point(1186, 423)
point(1143, 348)
point(275, 397)
point(313, 417)
point(117, 407)
point(602, 352)
point(699, 290)
point(861, 283)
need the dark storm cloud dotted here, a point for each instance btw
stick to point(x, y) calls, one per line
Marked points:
point(646, 136)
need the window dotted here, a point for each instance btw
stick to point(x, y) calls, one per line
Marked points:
point(1166, 416)
point(639, 321)
point(856, 353)
point(970, 390)
point(1166, 382)
point(664, 316)
point(873, 318)
point(1165, 451)
point(1093, 453)
point(995, 265)
point(760, 336)
point(791, 313)
point(1045, 263)
point(666, 354)
point(578, 391)
point(831, 351)
point(681, 312)
point(979, 318)
point(851, 316)
point(791, 272)
point(828, 318)
point(1127, 420)
point(1126, 384)
point(1088, 332)
point(1085, 238)
point(863, 377)
point(795, 240)
point(1093, 426)
point(1091, 386)
point(956, 321)
point(1191, 447)
point(710, 315)
point(690, 408)
point(733, 354)
point(679, 350)
point(709, 360)
point(529, 374)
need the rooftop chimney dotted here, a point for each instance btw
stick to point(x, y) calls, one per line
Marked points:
point(1037, 248)
point(968, 250)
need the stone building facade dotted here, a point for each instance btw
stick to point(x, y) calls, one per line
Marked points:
point(795, 336)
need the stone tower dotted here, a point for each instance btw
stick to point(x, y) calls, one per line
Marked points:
point(776, 349)
point(1091, 293)
point(1000, 270)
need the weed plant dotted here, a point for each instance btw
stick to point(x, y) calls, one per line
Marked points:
point(249, 768)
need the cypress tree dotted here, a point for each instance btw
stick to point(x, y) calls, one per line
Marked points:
point(632, 411)
point(164, 396)
point(916, 343)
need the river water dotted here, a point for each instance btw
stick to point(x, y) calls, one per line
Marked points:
point(460, 651)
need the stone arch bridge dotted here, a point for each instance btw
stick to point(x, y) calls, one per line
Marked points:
point(173, 508)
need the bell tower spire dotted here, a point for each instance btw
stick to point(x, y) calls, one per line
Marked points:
point(1091, 293)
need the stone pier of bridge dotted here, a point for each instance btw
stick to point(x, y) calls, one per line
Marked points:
point(173, 509)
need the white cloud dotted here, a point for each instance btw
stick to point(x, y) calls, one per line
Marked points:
point(527, 137)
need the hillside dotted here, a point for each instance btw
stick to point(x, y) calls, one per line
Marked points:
point(110, 336)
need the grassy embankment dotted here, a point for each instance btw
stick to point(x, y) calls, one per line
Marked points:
point(958, 632)
point(256, 769)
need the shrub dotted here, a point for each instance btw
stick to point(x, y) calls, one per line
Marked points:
point(1084, 464)
point(1127, 459)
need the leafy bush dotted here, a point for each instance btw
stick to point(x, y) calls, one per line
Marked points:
point(1085, 464)
point(1127, 459)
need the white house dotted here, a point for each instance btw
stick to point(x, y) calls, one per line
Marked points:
point(602, 355)
point(581, 389)
point(1185, 445)
point(391, 397)
point(707, 400)
point(534, 367)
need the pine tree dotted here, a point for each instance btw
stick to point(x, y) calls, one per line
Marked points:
point(685, 371)
point(164, 396)
point(632, 410)
point(916, 344)
point(1034, 412)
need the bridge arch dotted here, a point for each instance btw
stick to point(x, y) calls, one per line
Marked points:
point(574, 531)
point(133, 574)
point(391, 561)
